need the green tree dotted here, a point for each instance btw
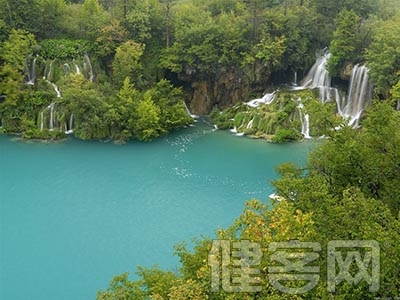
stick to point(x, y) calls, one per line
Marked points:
point(19, 45)
point(121, 288)
point(88, 107)
point(109, 39)
point(127, 63)
point(205, 45)
point(122, 115)
point(344, 46)
point(384, 54)
point(330, 8)
point(395, 93)
point(387, 9)
point(22, 14)
point(13, 54)
point(153, 284)
point(84, 21)
point(137, 20)
point(170, 99)
point(147, 125)
point(51, 14)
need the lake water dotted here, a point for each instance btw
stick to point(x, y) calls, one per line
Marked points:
point(74, 214)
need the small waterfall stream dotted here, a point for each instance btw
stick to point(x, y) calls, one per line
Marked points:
point(268, 98)
point(55, 116)
point(30, 69)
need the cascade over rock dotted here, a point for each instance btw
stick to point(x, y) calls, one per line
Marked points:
point(56, 117)
point(274, 114)
point(359, 97)
point(226, 90)
point(359, 90)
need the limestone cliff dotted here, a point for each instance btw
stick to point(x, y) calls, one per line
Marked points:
point(223, 90)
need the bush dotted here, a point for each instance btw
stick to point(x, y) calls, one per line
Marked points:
point(283, 135)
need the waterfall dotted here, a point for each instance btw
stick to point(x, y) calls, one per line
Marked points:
point(51, 122)
point(87, 66)
point(55, 87)
point(41, 121)
point(70, 129)
point(318, 76)
point(305, 122)
point(31, 70)
point(266, 99)
point(189, 113)
point(67, 68)
point(294, 78)
point(359, 96)
point(250, 124)
point(339, 102)
point(305, 127)
point(54, 120)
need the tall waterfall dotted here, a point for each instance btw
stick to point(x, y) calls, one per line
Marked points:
point(318, 77)
point(359, 96)
point(359, 93)
point(30, 69)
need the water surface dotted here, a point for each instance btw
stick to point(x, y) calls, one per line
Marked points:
point(73, 214)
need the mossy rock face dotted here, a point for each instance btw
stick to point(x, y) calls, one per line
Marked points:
point(280, 121)
point(36, 134)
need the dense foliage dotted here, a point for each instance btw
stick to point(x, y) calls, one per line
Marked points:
point(217, 52)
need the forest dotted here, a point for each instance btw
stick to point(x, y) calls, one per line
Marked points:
point(125, 70)
point(122, 70)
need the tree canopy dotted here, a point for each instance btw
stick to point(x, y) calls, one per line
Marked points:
point(216, 52)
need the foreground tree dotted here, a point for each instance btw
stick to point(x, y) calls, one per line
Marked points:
point(383, 55)
point(147, 126)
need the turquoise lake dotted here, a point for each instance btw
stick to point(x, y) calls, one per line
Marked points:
point(74, 214)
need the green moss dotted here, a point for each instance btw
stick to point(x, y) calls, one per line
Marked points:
point(284, 135)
